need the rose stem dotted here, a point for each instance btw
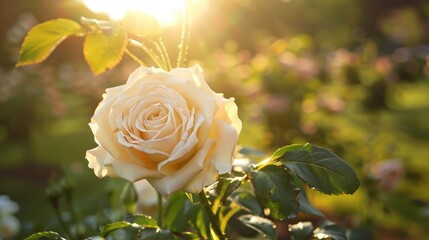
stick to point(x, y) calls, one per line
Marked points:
point(64, 226)
point(159, 211)
point(213, 220)
point(135, 58)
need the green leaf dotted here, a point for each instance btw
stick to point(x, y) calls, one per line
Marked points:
point(199, 220)
point(104, 51)
point(175, 212)
point(305, 205)
point(281, 151)
point(190, 235)
point(194, 198)
point(248, 202)
point(45, 236)
point(301, 230)
point(155, 234)
point(142, 220)
point(274, 188)
point(330, 230)
point(260, 224)
point(43, 38)
point(108, 228)
point(360, 233)
point(321, 169)
point(226, 186)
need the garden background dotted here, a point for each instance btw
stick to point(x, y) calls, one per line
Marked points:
point(352, 76)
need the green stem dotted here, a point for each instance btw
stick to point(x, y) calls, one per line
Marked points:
point(228, 216)
point(165, 52)
point(160, 211)
point(63, 224)
point(185, 35)
point(155, 58)
point(213, 220)
point(73, 212)
point(135, 58)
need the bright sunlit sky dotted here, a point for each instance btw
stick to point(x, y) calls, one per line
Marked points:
point(165, 11)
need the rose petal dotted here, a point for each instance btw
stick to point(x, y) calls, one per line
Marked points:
point(194, 96)
point(187, 142)
point(207, 177)
point(179, 179)
point(228, 112)
point(227, 138)
point(100, 160)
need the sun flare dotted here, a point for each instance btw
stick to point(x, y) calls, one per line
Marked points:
point(166, 12)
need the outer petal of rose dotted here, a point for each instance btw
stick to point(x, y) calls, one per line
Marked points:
point(139, 73)
point(105, 137)
point(105, 165)
point(133, 172)
point(102, 131)
point(206, 177)
point(232, 111)
point(226, 139)
point(179, 179)
point(228, 112)
point(100, 160)
point(194, 74)
point(140, 85)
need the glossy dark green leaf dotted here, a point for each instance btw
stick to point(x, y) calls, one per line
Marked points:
point(194, 198)
point(226, 186)
point(248, 202)
point(321, 169)
point(190, 235)
point(175, 212)
point(274, 188)
point(142, 220)
point(108, 228)
point(330, 231)
point(306, 207)
point(43, 38)
point(281, 151)
point(301, 230)
point(104, 51)
point(260, 224)
point(155, 234)
point(202, 224)
point(360, 233)
point(45, 236)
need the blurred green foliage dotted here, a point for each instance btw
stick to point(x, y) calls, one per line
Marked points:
point(349, 75)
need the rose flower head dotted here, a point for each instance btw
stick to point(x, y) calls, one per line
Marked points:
point(167, 127)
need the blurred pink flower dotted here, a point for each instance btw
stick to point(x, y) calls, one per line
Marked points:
point(340, 58)
point(331, 103)
point(276, 103)
point(388, 173)
point(383, 65)
point(305, 67)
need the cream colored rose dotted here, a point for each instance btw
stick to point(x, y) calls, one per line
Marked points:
point(167, 127)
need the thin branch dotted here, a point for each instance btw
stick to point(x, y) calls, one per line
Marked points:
point(164, 49)
point(184, 36)
point(160, 211)
point(158, 61)
point(135, 58)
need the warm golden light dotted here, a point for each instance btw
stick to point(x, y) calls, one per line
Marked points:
point(166, 12)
